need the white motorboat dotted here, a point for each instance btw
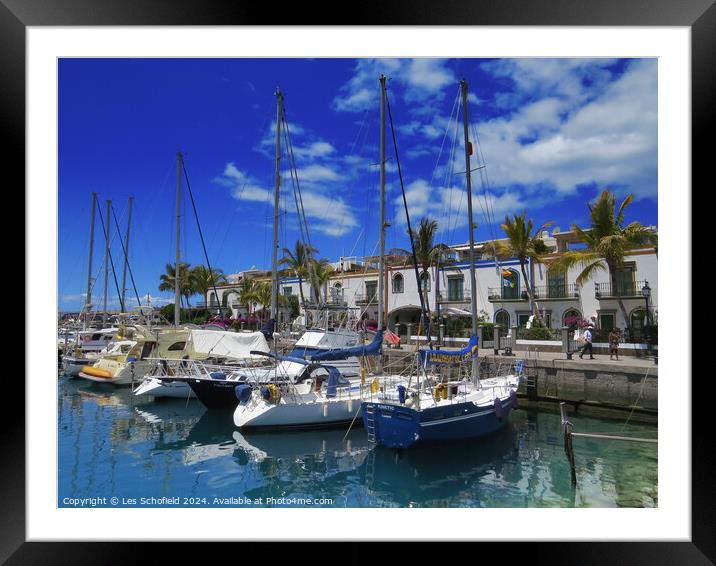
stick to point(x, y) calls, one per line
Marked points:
point(73, 364)
point(234, 350)
point(126, 368)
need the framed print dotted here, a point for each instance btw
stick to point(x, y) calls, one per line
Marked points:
point(287, 306)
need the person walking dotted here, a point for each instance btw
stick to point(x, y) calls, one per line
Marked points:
point(614, 344)
point(587, 343)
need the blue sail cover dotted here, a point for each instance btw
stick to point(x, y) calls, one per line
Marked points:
point(279, 357)
point(450, 356)
point(372, 349)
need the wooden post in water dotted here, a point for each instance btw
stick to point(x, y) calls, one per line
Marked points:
point(568, 450)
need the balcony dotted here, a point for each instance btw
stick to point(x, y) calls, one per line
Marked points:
point(561, 292)
point(366, 298)
point(556, 292)
point(503, 294)
point(454, 297)
point(622, 290)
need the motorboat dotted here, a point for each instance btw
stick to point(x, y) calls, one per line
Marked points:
point(131, 366)
point(206, 352)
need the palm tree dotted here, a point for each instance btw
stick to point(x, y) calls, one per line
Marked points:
point(320, 272)
point(523, 243)
point(262, 294)
point(168, 279)
point(297, 261)
point(202, 279)
point(247, 289)
point(607, 242)
point(428, 253)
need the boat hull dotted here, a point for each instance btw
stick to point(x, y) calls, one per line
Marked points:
point(398, 426)
point(215, 394)
point(73, 366)
point(286, 415)
point(174, 388)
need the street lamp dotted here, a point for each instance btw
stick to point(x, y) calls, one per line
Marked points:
point(646, 293)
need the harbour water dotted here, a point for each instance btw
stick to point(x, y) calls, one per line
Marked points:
point(173, 452)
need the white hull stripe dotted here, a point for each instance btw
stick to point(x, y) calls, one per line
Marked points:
point(459, 418)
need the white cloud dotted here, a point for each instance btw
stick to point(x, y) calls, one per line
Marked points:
point(419, 80)
point(327, 213)
point(576, 134)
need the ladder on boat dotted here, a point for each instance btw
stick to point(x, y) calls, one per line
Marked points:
point(370, 423)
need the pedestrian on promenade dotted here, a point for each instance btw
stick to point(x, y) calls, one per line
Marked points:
point(587, 343)
point(614, 344)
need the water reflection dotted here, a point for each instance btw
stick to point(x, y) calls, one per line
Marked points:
point(112, 443)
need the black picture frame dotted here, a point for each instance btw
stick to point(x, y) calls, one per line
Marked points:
point(699, 15)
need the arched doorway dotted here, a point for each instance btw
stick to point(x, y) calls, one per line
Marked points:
point(571, 318)
point(502, 319)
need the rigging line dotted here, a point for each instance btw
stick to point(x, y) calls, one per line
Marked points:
point(294, 170)
point(301, 211)
point(450, 172)
point(129, 266)
point(201, 235)
point(485, 180)
point(111, 262)
point(426, 321)
point(442, 145)
point(294, 183)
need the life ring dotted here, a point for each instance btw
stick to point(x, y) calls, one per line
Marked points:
point(97, 372)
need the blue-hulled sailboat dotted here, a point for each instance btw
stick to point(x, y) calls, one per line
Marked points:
point(436, 409)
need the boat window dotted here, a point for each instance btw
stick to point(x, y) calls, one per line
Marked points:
point(177, 346)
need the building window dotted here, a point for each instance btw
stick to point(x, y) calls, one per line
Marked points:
point(556, 284)
point(637, 320)
point(398, 283)
point(371, 291)
point(607, 320)
point(425, 282)
point(625, 279)
point(522, 319)
point(456, 291)
point(213, 300)
point(287, 291)
point(510, 284)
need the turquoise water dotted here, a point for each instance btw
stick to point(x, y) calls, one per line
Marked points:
point(175, 453)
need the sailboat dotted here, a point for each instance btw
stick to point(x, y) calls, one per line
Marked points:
point(437, 409)
point(319, 393)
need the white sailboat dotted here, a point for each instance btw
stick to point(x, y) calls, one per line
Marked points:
point(333, 398)
point(433, 409)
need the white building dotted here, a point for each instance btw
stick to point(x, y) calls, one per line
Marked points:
point(501, 294)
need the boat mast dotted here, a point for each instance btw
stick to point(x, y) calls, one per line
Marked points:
point(88, 297)
point(177, 278)
point(126, 250)
point(381, 261)
point(274, 252)
point(471, 225)
point(106, 259)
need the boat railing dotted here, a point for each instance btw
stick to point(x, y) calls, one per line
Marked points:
point(196, 368)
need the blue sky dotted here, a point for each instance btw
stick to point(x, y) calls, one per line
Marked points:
point(553, 133)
